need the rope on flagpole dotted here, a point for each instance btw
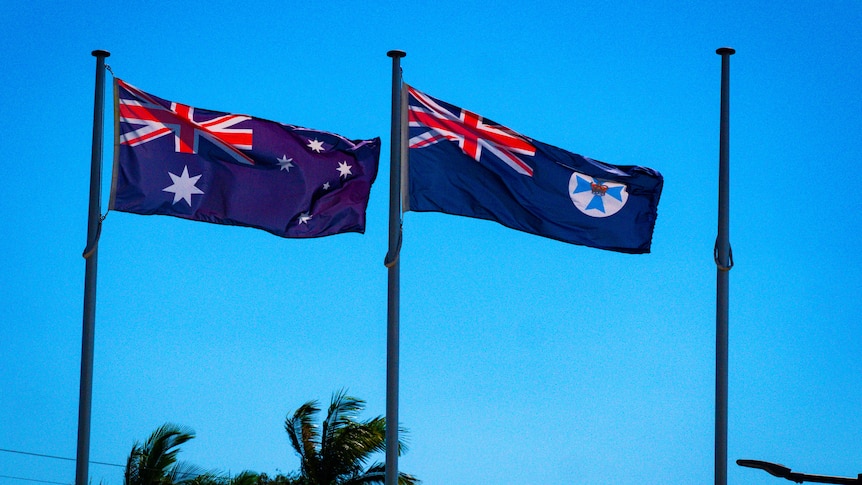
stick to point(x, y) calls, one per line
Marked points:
point(94, 244)
point(392, 259)
point(721, 267)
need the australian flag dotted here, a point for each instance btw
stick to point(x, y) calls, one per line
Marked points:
point(463, 164)
point(187, 162)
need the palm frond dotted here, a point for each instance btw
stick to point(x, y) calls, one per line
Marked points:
point(345, 442)
point(247, 477)
point(304, 436)
point(343, 409)
point(162, 447)
point(339, 451)
point(152, 462)
point(184, 473)
point(131, 476)
point(376, 473)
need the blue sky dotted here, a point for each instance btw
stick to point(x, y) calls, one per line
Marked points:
point(523, 359)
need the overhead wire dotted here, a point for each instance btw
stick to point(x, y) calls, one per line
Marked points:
point(55, 457)
point(41, 455)
point(34, 480)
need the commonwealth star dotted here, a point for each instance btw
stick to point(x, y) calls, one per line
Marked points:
point(184, 186)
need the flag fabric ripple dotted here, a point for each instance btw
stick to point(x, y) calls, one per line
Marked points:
point(174, 159)
point(463, 164)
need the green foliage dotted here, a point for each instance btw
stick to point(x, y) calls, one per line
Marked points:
point(154, 462)
point(264, 479)
point(338, 452)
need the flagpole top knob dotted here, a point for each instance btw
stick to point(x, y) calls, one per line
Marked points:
point(725, 50)
point(396, 53)
point(101, 53)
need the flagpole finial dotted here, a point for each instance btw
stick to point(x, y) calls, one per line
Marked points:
point(725, 50)
point(101, 53)
point(396, 53)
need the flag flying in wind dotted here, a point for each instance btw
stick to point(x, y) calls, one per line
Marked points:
point(463, 164)
point(204, 165)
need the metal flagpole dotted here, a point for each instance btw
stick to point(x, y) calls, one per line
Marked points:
point(91, 254)
point(391, 262)
point(724, 261)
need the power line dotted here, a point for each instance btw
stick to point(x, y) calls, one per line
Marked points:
point(41, 455)
point(54, 457)
point(34, 480)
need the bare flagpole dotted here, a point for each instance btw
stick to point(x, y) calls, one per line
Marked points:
point(91, 255)
point(724, 261)
point(391, 262)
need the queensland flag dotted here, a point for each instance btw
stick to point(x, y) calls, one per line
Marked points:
point(463, 164)
point(176, 160)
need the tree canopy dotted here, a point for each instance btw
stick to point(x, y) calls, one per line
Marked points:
point(339, 451)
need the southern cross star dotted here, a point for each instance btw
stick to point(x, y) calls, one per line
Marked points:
point(284, 163)
point(315, 145)
point(183, 187)
point(344, 169)
point(304, 218)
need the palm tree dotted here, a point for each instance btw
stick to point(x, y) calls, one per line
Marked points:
point(278, 479)
point(155, 461)
point(337, 452)
point(244, 478)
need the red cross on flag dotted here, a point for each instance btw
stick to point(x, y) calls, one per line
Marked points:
point(155, 121)
point(470, 131)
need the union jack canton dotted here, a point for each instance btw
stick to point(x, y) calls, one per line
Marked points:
point(156, 120)
point(470, 131)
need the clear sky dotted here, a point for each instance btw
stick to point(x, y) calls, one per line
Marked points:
point(523, 359)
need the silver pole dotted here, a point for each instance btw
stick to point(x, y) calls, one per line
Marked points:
point(393, 311)
point(724, 261)
point(91, 254)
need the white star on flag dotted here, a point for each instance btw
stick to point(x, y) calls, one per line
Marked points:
point(344, 169)
point(326, 186)
point(284, 163)
point(183, 187)
point(304, 218)
point(316, 145)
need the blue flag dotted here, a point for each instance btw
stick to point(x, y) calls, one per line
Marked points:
point(173, 159)
point(463, 164)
